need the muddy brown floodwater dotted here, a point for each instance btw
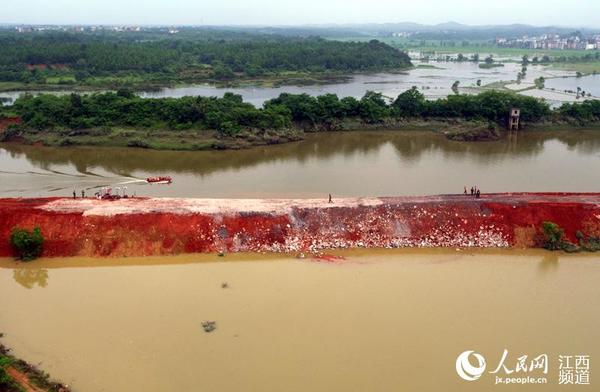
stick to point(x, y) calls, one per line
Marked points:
point(378, 321)
point(352, 164)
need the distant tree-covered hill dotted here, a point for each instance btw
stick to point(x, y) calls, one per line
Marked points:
point(34, 58)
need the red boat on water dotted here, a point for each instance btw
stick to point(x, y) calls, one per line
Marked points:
point(159, 180)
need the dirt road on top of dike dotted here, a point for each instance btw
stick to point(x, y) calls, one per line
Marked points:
point(156, 226)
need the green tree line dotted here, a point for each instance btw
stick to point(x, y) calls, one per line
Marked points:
point(230, 114)
point(31, 58)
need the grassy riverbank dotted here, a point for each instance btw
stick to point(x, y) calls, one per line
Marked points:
point(144, 82)
point(202, 140)
point(198, 140)
point(190, 140)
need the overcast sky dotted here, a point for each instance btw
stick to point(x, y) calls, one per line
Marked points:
point(285, 12)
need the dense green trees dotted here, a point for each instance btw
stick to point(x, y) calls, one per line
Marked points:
point(35, 57)
point(410, 103)
point(230, 114)
point(373, 107)
point(321, 109)
point(586, 110)
point(490, 105)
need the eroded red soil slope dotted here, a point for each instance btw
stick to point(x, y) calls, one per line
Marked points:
point(129, 227)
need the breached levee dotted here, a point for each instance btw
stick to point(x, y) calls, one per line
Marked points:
point(157, 226)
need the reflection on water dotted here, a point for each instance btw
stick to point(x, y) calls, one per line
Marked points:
point(434, 82)
point(30, 277)
point(590, 84)
point(373, 163)
point(379, 321)
point(549, 263)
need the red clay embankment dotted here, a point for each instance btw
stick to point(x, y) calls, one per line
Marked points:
point(133, 227)
point(5, 122)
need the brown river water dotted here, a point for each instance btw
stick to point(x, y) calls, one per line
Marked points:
point(377, 163)
point(378, 321)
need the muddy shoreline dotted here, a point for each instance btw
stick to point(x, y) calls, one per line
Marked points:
point(25, 376)
point(458, 130)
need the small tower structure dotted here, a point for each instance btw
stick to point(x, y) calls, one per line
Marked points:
point(514, 119)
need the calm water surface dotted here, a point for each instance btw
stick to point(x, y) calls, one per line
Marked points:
point(345, 164)
point(589, 84)
point(380, 321)
point(434, 82)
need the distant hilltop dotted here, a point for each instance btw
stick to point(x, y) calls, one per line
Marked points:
point(450, 28)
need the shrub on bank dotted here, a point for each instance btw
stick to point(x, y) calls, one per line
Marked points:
point(6, 382)
point(588, 243)
point(482, 132)
point(553, 239)
point(553, 236)
point(28, 245)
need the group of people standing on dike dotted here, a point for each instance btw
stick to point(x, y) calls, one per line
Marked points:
point(474, 191)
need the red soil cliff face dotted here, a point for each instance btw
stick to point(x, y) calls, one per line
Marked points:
point(128, 227)
point(7, 121)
